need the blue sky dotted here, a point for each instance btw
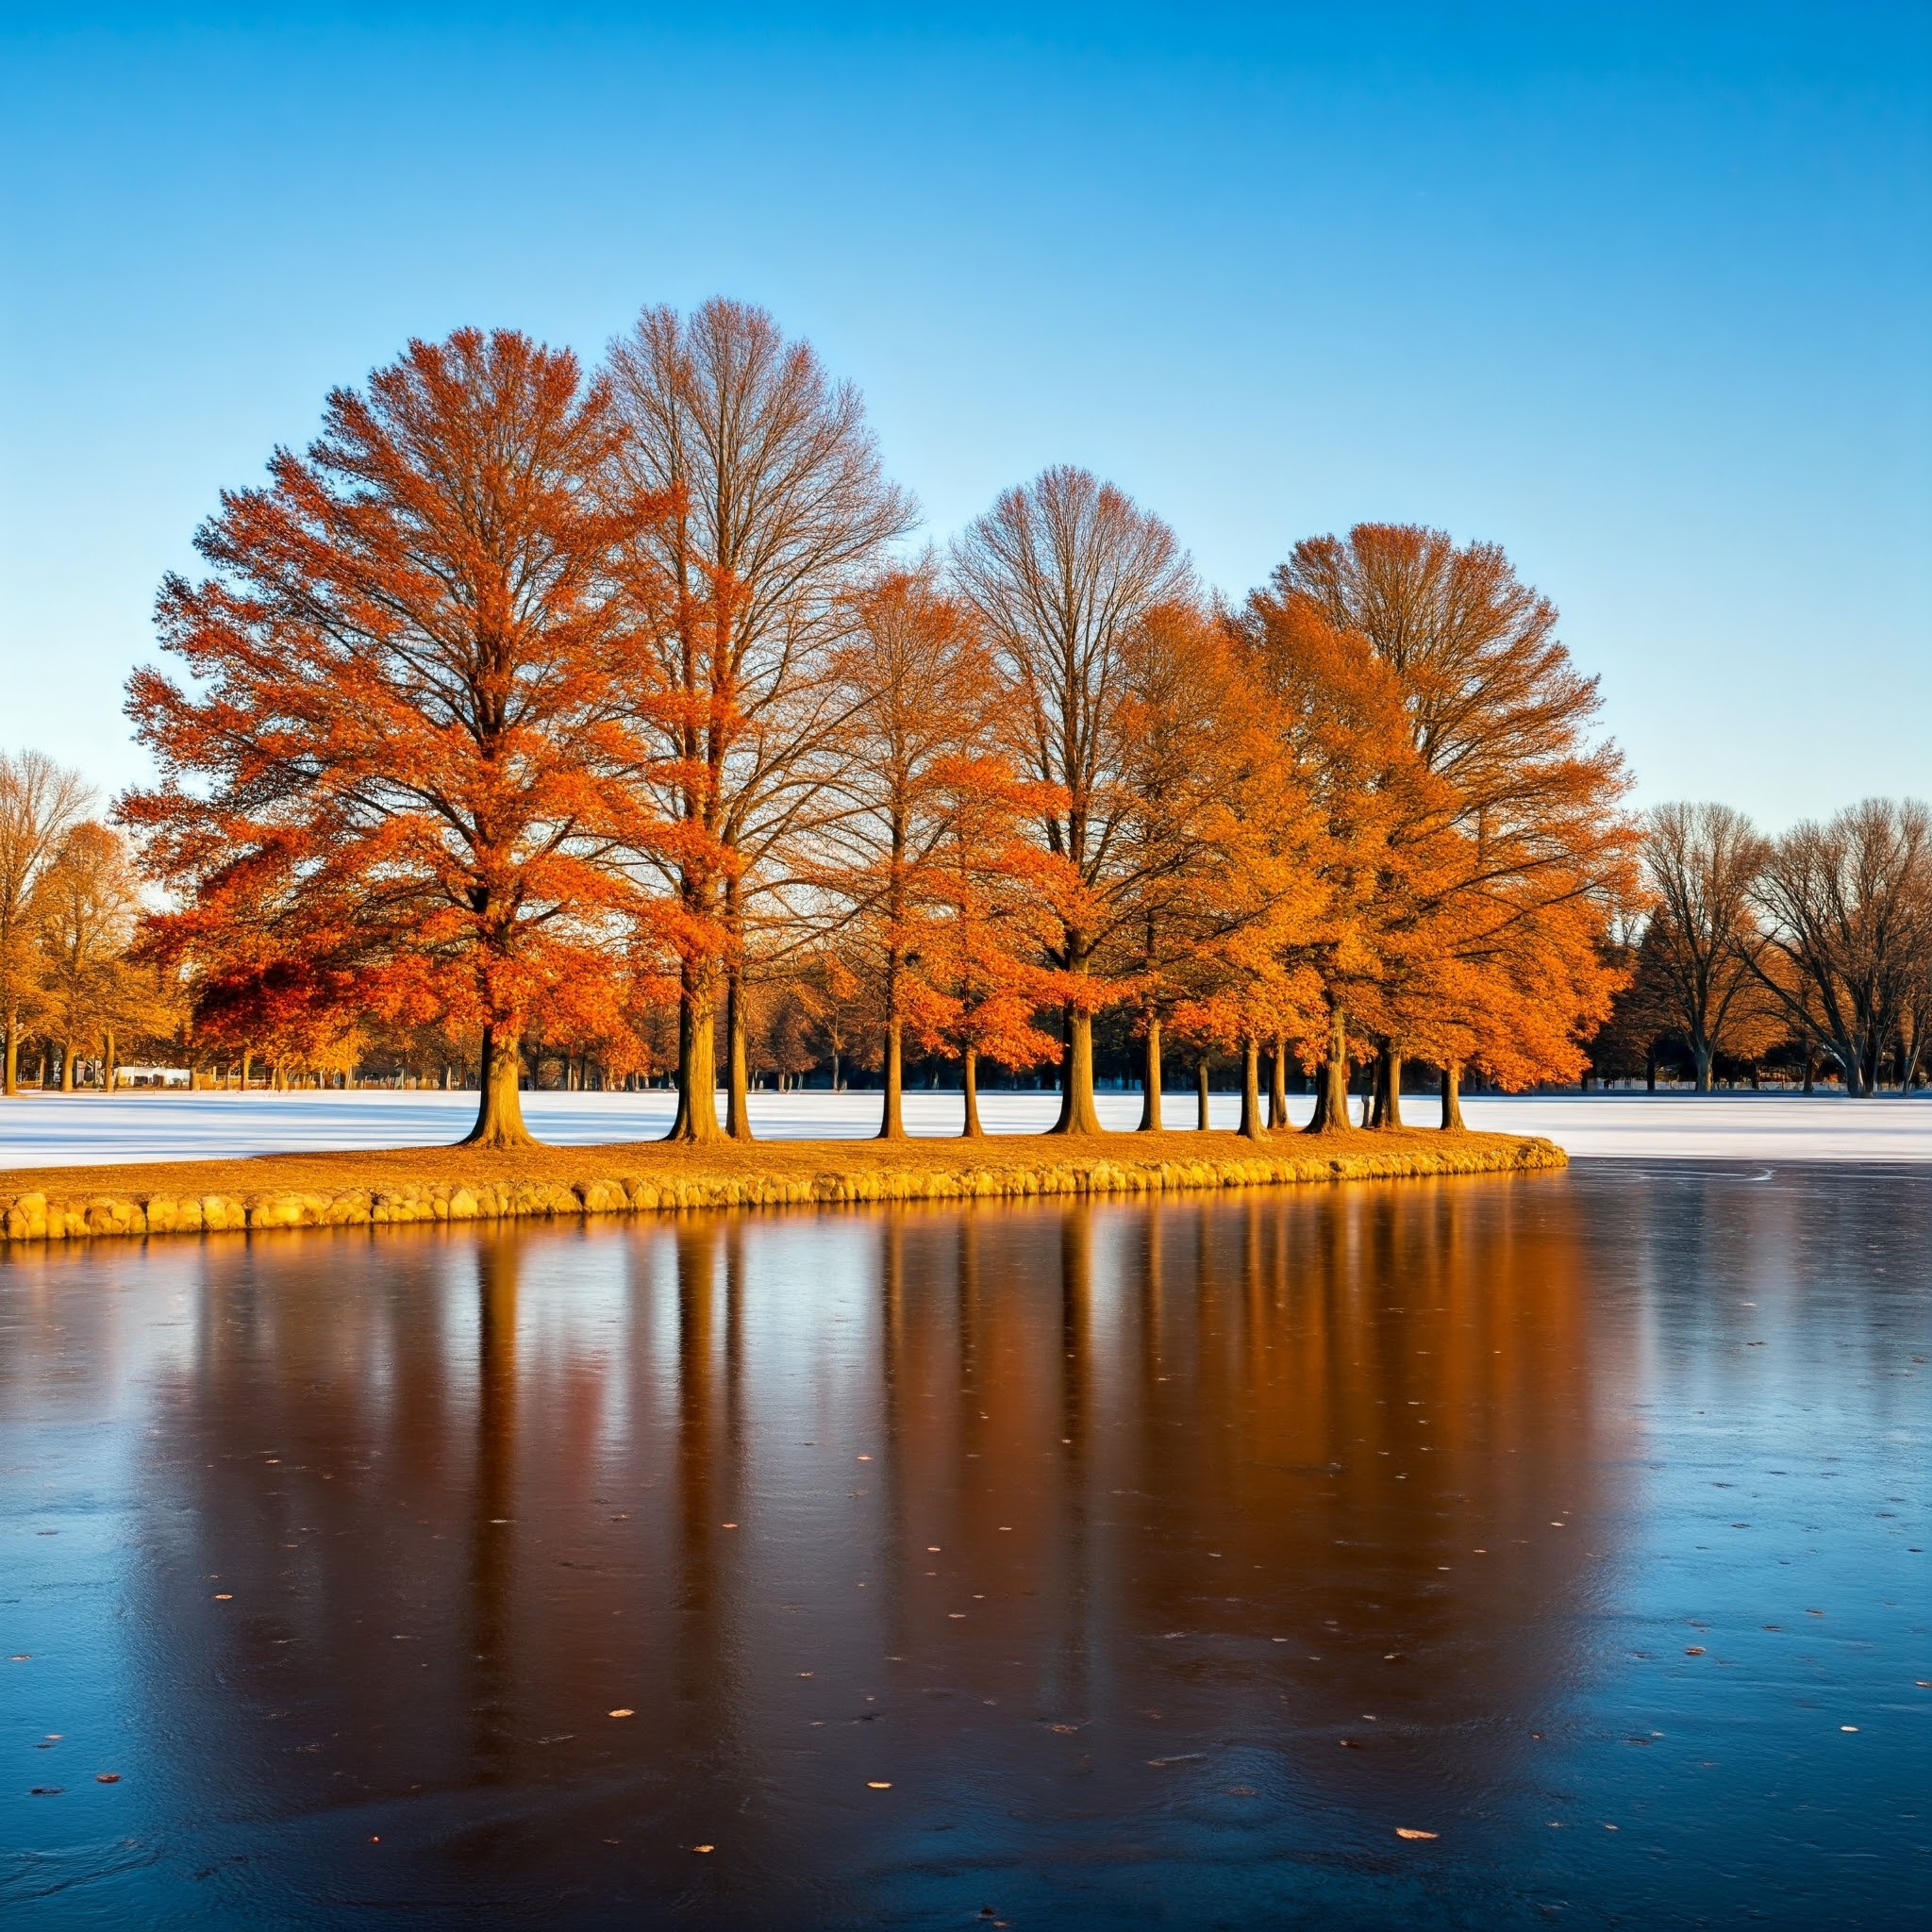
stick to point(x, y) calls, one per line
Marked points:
point(1643, 294)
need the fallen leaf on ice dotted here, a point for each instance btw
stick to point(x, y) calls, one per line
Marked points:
point(1693, 1650)
point(877, 1784)
point(1409, 1831)
point(621, 1710)
point(695, 1848)
point(106, 1777)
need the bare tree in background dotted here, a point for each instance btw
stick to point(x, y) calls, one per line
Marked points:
point(1065, 572)
point(1847, 909)
point(738, 598)
point(40, 803)
point(1701, 863)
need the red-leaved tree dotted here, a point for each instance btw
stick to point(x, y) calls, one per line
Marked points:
point(404, 766)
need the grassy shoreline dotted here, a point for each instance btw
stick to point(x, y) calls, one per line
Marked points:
point(409, 1185)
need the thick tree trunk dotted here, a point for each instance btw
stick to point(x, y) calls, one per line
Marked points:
point(66, 1066)
point(1389, 1085)
point(697, 1069)
point(892, 1116)
point(1150, 1079)
point(1331, 1109)
point(1452, 1098)
point(1277, 1083)
point(12, 1072)
point(1701, 1054)
point(738, 1083)
point(500, 1102)
point(1650, 1071)
point(969, 1077)
point(1201, 1094)
point(1077, 1113)
point(1251, 1128)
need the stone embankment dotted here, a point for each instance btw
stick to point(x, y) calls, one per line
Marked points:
point(773, 1175)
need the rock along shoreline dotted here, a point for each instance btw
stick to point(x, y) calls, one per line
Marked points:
point(799, 1175)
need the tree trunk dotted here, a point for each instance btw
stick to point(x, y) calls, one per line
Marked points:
point(738, 1085)
point(1201, 1094)
point(1650, 1071)
point(500, 1104)
point(1701, 1054)
point(892, 1116)
point(1251, 1128)
point(969, 1077)
point(66, 1066)
point(1150, 1083)
point(1077, 1114)
point(1388, 1111)
point(696, 1118)
point(1331, 1109)
point(12, 1073)
point(1452, 1097)
point(110, 1063)
point(1277, 1084)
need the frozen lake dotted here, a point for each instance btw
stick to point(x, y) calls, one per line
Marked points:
point(67, 1131)
point(1062, 1566)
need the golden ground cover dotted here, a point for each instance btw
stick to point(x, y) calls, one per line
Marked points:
point(416, 1184)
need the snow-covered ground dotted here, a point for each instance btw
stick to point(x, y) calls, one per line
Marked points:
point(68, 1130)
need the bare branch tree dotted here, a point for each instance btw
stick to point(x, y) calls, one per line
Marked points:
point(739, 601)
point(1847, 908)
point(40, 803)
point(1701, 863)
point(1065, 572)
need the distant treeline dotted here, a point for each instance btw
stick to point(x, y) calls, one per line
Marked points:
point(1808, 955)
point(596, 729)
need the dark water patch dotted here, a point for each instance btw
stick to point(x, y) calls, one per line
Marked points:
point(1058, 1566)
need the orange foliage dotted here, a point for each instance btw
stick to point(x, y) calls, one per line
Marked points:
point(402, 770)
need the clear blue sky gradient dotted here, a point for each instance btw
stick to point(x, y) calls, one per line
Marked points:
point(1644, 294)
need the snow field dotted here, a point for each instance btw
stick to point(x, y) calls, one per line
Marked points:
point(81, 1129)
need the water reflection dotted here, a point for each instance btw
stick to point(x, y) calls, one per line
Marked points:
point(936, 1559)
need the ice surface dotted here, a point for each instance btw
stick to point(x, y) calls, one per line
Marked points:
point(66, 1130)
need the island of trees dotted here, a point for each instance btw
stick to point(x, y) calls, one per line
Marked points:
point(603, 729)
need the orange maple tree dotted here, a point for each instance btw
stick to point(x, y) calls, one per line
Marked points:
point(1518, 848)
point(405, 764)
